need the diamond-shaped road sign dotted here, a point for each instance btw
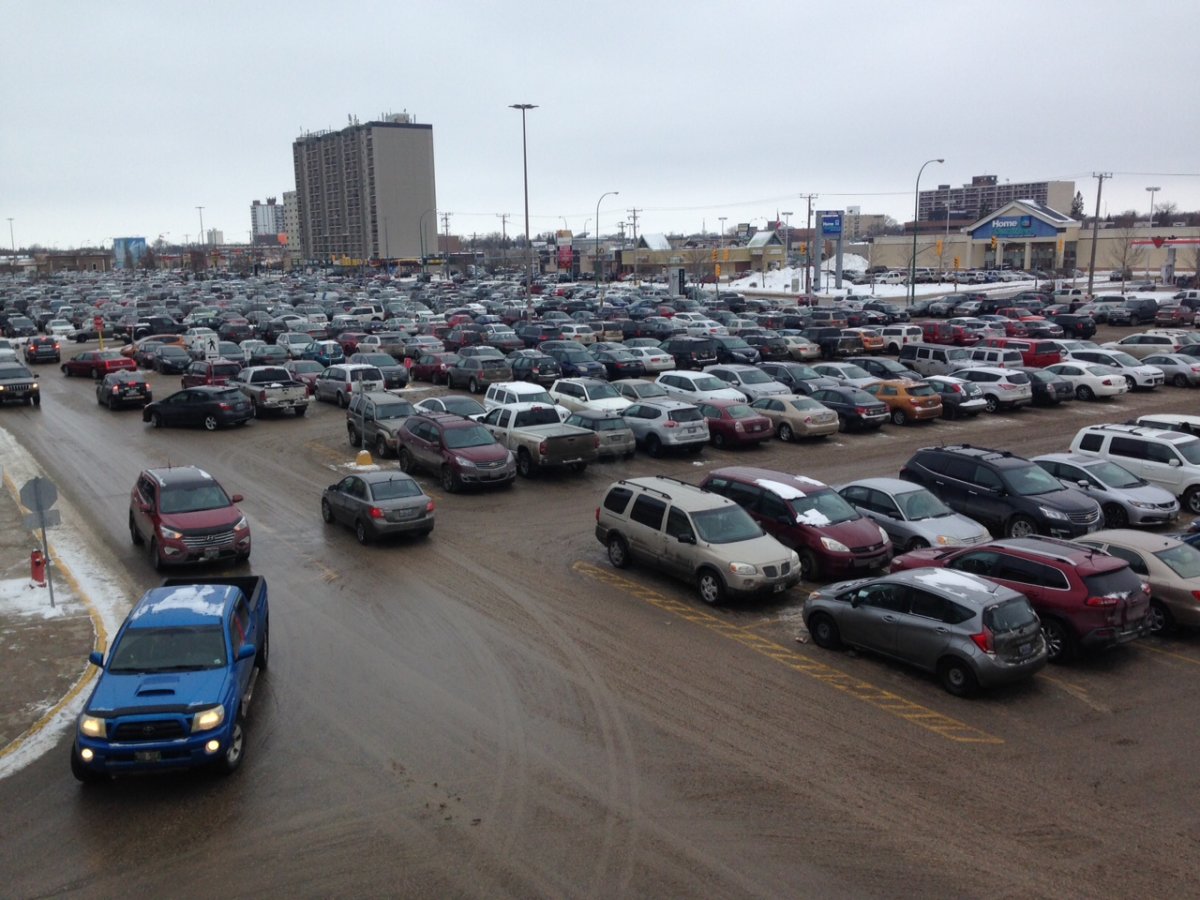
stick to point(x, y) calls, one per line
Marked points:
point(38, 494)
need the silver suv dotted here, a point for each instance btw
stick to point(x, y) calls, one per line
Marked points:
point(700, 537)
point(659, 425)
point(967, 630)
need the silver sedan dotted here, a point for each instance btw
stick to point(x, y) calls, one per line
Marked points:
point(376, 504)
point(1179, 369)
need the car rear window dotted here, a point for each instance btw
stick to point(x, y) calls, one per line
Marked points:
point(1010, 616)
point(1121, 583)
point(691, 414)
point(226, 371)
point(371, 374)
point(228, 396)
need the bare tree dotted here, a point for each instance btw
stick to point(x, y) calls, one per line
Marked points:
point(1123, 253)
point(1165, 212)
point(699, 262)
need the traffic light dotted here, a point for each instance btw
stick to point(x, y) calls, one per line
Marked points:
point(718, 270)
point(939, 246)
point(995, 242)
point(803, 249)
point(956, 262)
point(714, 255)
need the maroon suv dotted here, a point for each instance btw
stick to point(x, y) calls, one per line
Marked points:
point(832, 538)
point(459, 451)
point(182, 515)
point(1085, 598)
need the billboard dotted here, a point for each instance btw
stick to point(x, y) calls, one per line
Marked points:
point(128, 252)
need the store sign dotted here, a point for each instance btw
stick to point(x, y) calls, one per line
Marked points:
point(831, 224)
point(1010, 226)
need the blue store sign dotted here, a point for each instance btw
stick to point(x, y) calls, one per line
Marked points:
point(1015, 227)
point(831, 224)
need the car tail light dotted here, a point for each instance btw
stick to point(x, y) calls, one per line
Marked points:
point(224, 406)
point(670, 423)
point(116, 389)
point(983, 641)
point(56, 345)
point(1100, 601)
point(1107, 381)
point(861, 410)
point(429, 507)
point(376, 512)
point(958, 388)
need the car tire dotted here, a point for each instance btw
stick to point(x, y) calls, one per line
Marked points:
point(1083, 392)
point(785, 433)
point(353, 437)
point(407, 463)
point(95, 374)
point(362, 532)
point(35, 400)
point(231, 759)
point(473, 386)
point(65, 370)
point(154, 557)
point(916, 544)
point(991, 403)
point(654, 446)
point(1060, 640)
point(381, 447)
point(1115, 516)
point(82, 773)
point(957, 678)
point(843, 424)
point(1180, 380)
point(1132, 384)
point(710, 586)
point(1021, 526)
point(809, 569)
point(824, 632)
point(326, 512)
point(524, 463)
point(579, 467)
point(1159, 618)
point(450, 482)
point(718, 440)
point(342, 402)
point(1191, 500)
point(618, 551)
point(899, 417)
point(134, 535)
point(300, 410)
point(210, 423)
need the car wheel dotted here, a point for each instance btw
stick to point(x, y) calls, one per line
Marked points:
point(1180, 380)
point(718, 440)
point(35, 400)
point(82, 773)
point(362, 532)
point(354, 437)
point(154, 556)
point(210, 423)
point(899, 417)
point(1021, 526)
point(134, 534)
point(618, 552)
point(524, 463)
point(156, 419)
point(654, 446)
point(341, 400)
point(785, 432)
point(809, 570)
point(326, 512)
point(473, 386)
point(1060, 642)
point(231, 759)
point(843, 423)
point(1115, 516)
point(957, 678)
point(450, 481)
point(406, 461)
point(711, 587)
point(1129, 381)
point(1191, 499)
point(579, 467)
point(300, 410)
point(95, 374)
point(916, 544)
point(65, 371)
point(1083, 392)
point(991, 403)
point(824, 632)
point(1159, 619)
point(381, 447)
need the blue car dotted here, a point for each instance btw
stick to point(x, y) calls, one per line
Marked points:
point(578, 364)
point(174, 690)
point(327, 353)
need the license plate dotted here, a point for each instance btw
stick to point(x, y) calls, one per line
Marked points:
point(148, 755)
point(133, 393)
point(400, 514)
point(1025, 649)
point(210, 552)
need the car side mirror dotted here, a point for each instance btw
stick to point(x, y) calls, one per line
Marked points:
point(855, 600)
point(1084, 483)
point(246, 651)
point(1173, 462)
point(686, 538)
point(96, 658)
point(237, 498)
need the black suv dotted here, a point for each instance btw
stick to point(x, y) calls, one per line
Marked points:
point(1005, 493)
point(832, 342)
point(733, 349)
point(691, 352)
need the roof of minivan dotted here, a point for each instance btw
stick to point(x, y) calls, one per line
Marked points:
point(784, 484)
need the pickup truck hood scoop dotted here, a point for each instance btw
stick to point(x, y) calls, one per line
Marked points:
point(141, 692)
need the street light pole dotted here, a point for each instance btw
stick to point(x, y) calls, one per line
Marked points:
point(524, 108)
point(596, 254)
point(787, 239)
point(1153, 191)
point(12, 240)
point(912, 265)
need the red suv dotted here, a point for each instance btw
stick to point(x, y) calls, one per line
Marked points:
point(460, 451)
point(1085, 598)
point(183, 515)
point(210, 371)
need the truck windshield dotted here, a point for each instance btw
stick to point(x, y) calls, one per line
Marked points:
point(169, 649)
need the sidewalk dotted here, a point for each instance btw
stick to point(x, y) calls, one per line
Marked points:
point(43, 651)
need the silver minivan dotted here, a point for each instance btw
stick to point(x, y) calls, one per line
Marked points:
point(935, 359)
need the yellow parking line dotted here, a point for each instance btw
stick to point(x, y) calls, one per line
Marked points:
point(1178, 656)
point(881, 699)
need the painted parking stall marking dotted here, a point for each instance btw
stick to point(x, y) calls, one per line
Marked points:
point(882, 699)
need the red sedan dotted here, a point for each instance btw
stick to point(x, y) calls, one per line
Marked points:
point(97, 363)
point(732, 423)
point(349, 341)
point(432, 367)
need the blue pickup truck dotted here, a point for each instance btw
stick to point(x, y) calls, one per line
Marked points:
point(174, 690)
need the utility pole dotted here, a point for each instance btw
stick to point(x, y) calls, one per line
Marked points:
point(1099, 176)
point(808, 246)
point(633, 214)
point(503, 217)
point(446, 253)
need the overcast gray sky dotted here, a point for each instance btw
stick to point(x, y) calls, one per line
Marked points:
point(121, 118)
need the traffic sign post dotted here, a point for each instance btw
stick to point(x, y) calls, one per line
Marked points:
point(98, 324)
point(38, 495)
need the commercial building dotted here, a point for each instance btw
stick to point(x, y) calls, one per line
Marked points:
point(266, 218)
point(367, 192)
point(214, 237)
point(985, 194)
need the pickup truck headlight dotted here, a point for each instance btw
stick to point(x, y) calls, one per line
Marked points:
point(208, 719)
point(92, 726)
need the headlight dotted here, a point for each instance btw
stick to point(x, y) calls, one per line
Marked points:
point(208, 719)
point(463, 461)
point(834, 546)
point(241, 524)
point(1052, 513)
point(883, 535)
point(92, 726)
point(738, 568)
point(170, 533)
point(1140, 505)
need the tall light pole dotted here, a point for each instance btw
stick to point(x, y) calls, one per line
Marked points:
point(596, 253)
point(1153, 190)
point(12, 240)
point(201, 210)
point(912, 266)
point(524, 108)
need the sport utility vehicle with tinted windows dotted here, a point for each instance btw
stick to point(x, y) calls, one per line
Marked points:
point(459, 451)
point(183, 515)
point(663, 423)
point(691, 352)
point(1084, 598)
point(694, 535)
point(1005, 493)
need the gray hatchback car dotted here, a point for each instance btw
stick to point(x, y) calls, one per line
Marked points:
point(967, 630)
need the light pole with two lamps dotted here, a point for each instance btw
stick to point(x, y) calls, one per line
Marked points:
point(912, 266)
point(596, 267)
point(524, 108)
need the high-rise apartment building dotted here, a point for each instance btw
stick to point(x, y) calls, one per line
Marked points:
point(984, 194)
point(367, 191)
point(266, 218)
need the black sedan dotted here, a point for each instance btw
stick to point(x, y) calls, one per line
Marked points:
point(376, 504)
point(884, 368)
point(619, 364)
point(856, 409)
point(1048, 389)
point(170, 359)
point(209, 405)
point(123, 388)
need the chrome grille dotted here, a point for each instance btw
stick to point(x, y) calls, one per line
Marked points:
point(496, 464)
point(201, 541)
point(1085, 518)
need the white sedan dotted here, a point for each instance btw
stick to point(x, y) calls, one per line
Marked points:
point(1138, 375)
point(1091, 380)
point(60, 328)
point(652, 359)
point(695, 387)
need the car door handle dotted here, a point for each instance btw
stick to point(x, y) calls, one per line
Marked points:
point(942, 630)
point(889, 618)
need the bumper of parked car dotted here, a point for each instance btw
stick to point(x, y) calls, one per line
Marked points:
point(1112, 635)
